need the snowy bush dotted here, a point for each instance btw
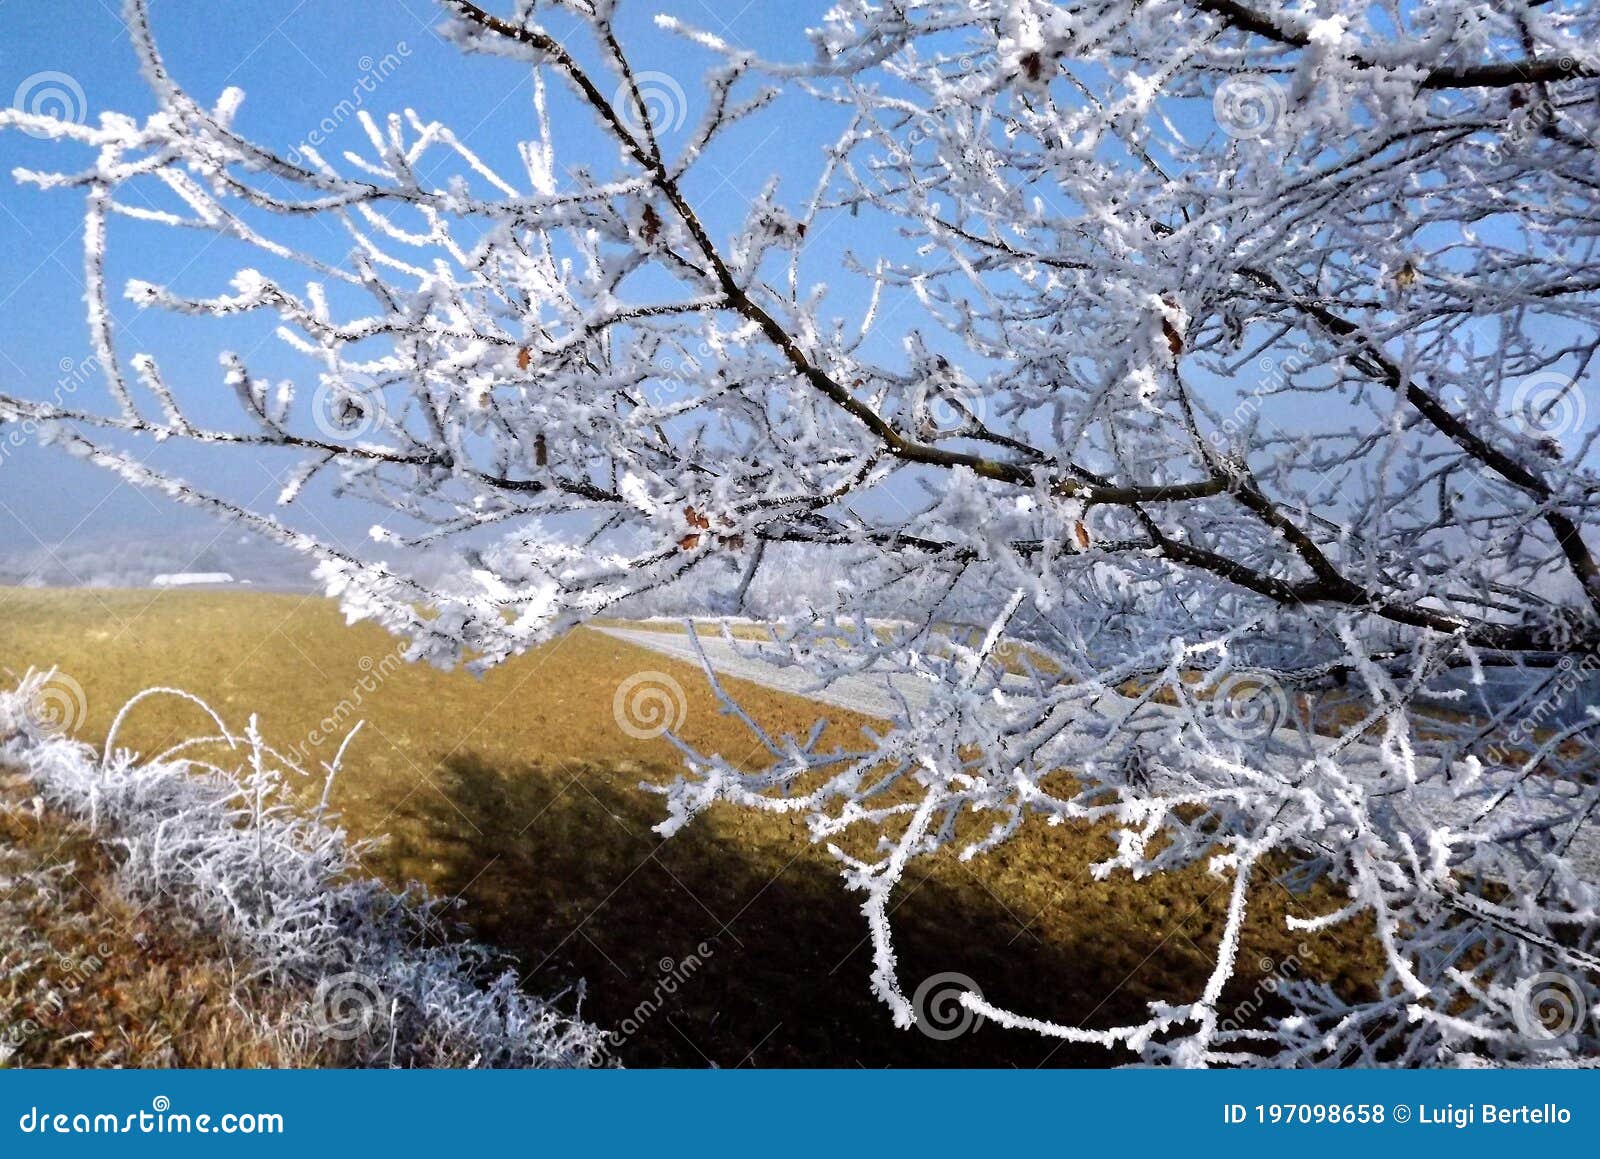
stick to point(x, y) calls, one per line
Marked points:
point(1206, 380)
point(225, 845)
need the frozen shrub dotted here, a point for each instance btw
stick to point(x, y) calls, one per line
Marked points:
point(282, 885)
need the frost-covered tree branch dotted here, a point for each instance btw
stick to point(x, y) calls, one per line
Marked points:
point(1196, 403)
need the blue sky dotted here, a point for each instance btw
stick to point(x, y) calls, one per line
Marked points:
point(296, 60)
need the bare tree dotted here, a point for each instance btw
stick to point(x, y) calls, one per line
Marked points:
point(1242, 366)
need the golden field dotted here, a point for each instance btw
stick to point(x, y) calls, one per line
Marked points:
point(517, 793)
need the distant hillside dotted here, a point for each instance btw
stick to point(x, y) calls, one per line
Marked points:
point(135, 561)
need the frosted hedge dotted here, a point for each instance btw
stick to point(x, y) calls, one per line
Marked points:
point(385, 982)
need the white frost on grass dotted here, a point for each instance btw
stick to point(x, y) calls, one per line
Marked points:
point(284, 887)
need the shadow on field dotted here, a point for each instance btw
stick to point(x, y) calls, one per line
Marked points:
point(562, 870)
point(546, 836)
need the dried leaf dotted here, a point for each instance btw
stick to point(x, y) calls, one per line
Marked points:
point(1174, 339)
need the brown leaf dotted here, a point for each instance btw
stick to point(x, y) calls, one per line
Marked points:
point(524, 357)
point(1174, 339)
point(1082, 533)
point(1169, 328)
point(694, 519)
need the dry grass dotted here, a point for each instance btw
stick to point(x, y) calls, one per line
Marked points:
point(87, 978)
point(518, 794)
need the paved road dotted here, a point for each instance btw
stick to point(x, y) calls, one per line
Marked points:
point(868, 695)
point(878, 696)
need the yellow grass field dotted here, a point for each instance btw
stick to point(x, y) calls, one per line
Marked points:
point(518, 794)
